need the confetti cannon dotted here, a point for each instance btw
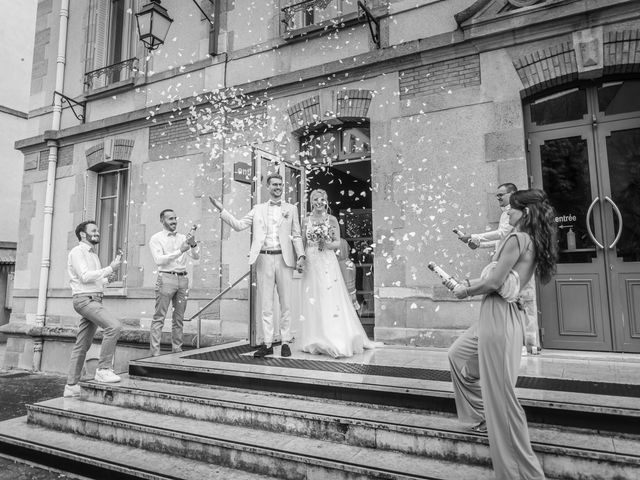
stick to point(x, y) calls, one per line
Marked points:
point(442, 274)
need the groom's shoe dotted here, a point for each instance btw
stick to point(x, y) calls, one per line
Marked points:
point(285, 351)
point(263, 351)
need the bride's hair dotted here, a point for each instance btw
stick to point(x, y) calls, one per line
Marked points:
point(324, 194)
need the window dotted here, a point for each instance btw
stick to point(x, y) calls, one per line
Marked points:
point(111, 43)
point(306, 13)
point(330, 146)
point(106, 201)
point(112, 215)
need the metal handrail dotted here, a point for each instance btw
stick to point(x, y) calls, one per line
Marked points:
point(214, 299)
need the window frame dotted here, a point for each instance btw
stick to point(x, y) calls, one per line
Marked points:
point(105, 67)
point(120, 238)
point(338, 131)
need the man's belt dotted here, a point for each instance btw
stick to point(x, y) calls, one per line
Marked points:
point(271, 252)
point(179, 274)
point(90, 295)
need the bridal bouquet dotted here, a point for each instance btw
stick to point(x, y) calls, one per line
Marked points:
point(321, 234)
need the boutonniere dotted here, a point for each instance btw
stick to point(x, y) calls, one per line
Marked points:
point(285, 215)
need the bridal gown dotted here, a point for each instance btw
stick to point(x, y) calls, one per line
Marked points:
point(330, 324)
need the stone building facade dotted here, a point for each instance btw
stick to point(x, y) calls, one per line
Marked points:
point(418, 109)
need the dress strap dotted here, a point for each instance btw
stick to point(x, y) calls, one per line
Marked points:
point(521, 238)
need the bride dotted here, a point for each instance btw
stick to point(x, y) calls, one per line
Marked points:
point(330, 324)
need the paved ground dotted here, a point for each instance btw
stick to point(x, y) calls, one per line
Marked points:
point(17, 388)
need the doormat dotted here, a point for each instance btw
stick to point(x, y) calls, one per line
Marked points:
point(238, 354)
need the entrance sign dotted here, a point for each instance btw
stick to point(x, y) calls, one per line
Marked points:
point(242, 172)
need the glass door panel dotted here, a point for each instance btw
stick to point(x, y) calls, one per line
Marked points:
point(566, 179)
point(574, 304)
point(623, 160)
point(620, 147)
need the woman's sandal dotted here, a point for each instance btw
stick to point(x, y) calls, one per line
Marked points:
point(480, 428)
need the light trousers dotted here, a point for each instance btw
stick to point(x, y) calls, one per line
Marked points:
point(273, 274)
point(93, 315)
point(170, 290)
point(484, 369)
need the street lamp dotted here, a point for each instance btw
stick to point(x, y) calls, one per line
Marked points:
point(153, 24)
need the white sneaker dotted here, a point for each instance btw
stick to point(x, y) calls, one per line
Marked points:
point(106, 375)
point(71, 390)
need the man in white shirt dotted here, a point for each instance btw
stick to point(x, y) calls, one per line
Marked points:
point(169, 250)
point(87, 279)
point(276, 249)
point(492, 238)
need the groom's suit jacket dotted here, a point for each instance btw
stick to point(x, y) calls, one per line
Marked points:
point(288, 230)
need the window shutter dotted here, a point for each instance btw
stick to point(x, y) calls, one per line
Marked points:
point(91, 37)
point(101, 18)
point(90, 195)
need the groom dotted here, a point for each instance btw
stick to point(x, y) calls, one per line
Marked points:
point(276, 249)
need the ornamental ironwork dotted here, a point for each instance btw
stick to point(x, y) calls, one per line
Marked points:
point(116, 72)
point(307, 8)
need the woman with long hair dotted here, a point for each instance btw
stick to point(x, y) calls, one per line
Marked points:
point(330, 324)
point(485, 359)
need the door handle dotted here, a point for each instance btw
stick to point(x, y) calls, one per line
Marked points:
point(617, 210)
point(593, 238)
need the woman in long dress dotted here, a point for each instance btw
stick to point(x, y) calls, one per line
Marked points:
point(330, 324)
point(485, 360)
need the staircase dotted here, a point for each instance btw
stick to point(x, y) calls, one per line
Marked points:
point(155, 428)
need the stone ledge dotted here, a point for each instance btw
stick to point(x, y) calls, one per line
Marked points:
point(133, 336)
point(418, 337)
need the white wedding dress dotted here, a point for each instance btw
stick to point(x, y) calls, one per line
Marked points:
point(329, 321)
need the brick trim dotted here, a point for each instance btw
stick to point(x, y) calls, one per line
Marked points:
point(353, 103)
point(437, 77)
point(177, 132)
point(122, 149)
point(547, 68)
point(95, 155)
point(557, 65)
point(622, 52)
point(305, 113)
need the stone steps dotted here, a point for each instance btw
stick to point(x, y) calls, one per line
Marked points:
point(615, 413)
point(288, 436)
point(270, 453)
point(564, 452)
point(98, 459)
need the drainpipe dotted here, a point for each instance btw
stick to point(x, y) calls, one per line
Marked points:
point(52, 144)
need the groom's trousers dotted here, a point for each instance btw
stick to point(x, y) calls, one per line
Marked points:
point(273, 273)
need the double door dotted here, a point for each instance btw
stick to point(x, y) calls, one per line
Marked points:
point(264, 164)
point(585, 153)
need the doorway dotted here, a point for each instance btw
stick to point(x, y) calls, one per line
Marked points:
point(584, 146)
point(338, 160)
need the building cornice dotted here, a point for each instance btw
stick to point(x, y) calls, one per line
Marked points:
point(13, 112)
point(534, 26)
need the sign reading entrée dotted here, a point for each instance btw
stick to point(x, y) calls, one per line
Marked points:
point(242, 172)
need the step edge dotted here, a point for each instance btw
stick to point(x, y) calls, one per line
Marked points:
point(538, 446)
point(366, 421)
point(282, 411)
point(88, 458)
point(269, 451)
point(424, 392)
